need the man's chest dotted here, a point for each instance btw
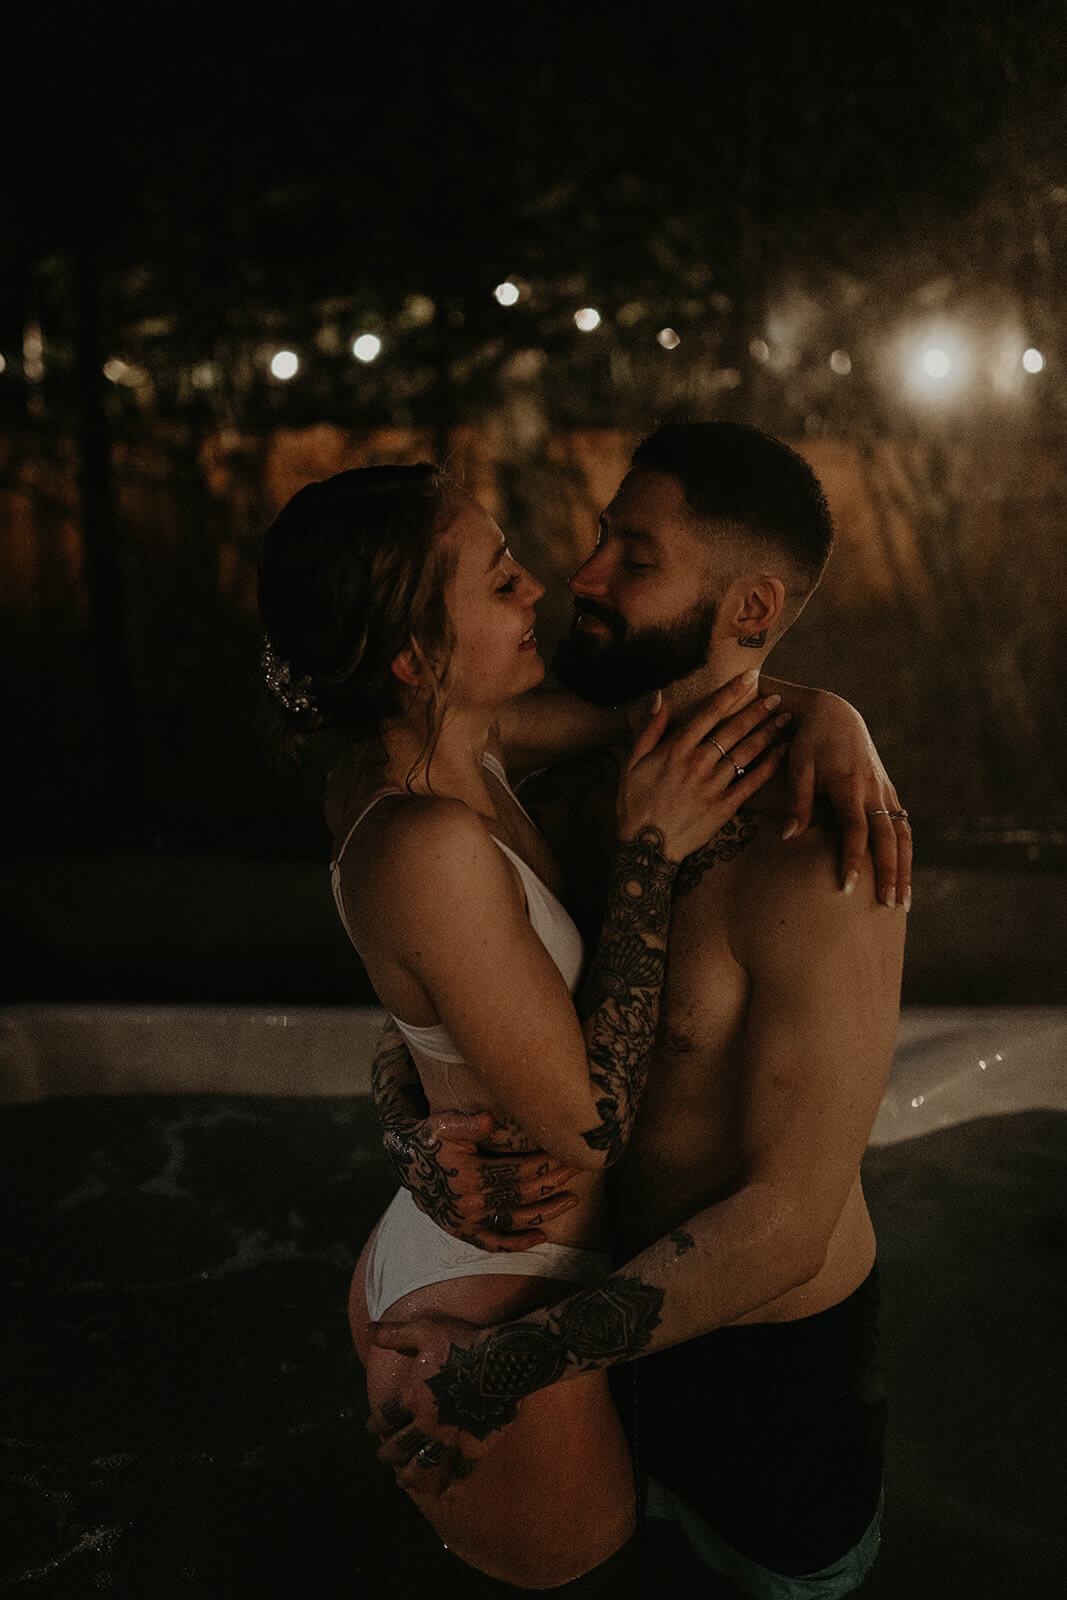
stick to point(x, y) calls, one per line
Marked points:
point(688, 1141)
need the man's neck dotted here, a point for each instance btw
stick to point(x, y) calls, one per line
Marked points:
point(683, 696)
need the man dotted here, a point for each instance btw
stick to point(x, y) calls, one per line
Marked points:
point(750, 1294)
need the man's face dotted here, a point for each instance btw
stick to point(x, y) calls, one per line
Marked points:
point(645, 601)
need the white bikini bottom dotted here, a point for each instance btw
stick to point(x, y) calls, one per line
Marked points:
point(409, 1252)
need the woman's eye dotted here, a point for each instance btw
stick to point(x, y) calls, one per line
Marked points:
point(638, 566)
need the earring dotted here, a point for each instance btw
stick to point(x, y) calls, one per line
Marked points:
point(754, 641)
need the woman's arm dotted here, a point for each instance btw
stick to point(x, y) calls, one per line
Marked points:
point(833, 755)
point(548, 725)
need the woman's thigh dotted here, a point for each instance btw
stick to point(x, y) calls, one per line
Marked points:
point(552, 1498)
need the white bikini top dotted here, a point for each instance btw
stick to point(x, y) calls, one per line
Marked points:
point(549, 919)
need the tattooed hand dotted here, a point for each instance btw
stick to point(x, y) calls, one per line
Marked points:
point(495, 1201)
point(466, 1384)
point(426, 1453)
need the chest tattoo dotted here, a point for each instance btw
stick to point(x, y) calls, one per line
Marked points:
point(729, 842)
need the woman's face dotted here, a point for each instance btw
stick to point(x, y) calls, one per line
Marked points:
point(491, 603)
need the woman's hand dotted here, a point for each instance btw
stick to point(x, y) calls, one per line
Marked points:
point(686, 782)
point(832, 754)
point(421, 1439)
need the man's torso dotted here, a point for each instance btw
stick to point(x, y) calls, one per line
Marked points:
point(694, 1130)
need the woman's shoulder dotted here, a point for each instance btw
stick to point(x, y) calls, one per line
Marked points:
point(440, 836)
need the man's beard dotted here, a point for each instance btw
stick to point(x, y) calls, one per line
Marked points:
point(612, 670)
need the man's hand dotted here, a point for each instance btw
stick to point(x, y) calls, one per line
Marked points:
point(833, 755)
point(497, 1202)
point(422, 1436)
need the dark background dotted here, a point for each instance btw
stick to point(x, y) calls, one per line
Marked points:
point(802, 196)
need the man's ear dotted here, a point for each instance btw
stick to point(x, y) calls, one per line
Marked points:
point(756, 605)
point(408, 668)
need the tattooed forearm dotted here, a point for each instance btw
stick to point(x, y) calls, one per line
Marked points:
point(730, 840)
point(479, 1387)
point(415, 1159)
point(681, 1241)
point(621, 996)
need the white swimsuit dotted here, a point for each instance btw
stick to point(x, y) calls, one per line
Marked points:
point(409, 1251)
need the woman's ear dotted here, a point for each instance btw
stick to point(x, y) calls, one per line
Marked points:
point(408, 668)
point(759, 604)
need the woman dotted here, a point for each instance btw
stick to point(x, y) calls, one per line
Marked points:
point(397, 617)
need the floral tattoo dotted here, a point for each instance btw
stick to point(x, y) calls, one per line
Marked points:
point(479, 1387)
point(621, 996)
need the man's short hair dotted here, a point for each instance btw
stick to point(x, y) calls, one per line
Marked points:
point(734, 474)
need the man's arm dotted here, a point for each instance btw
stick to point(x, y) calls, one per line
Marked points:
point(497, 1202)
point(826, 976)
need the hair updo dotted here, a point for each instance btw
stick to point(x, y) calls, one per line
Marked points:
point(352, 572)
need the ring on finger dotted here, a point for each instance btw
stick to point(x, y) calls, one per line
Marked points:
point(430, 1454)
point(739, 772)
point(718, 747)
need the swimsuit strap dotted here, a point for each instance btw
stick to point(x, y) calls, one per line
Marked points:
point(382, 795)
point(489, 761)
point(494, 765)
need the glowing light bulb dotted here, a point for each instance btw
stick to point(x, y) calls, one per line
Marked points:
point(940, 365)
point(285, 365)
point(841, 363)
point(668, 339)
point(1033, 360)
point(936, 363)
point(3, 364)
point(368, 347)
point(507, 293)
point(587, 319)
point(759, 349)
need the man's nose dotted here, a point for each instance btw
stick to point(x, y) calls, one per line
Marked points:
point(589, 579)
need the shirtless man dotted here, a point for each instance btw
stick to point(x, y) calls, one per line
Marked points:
point(750, 1291)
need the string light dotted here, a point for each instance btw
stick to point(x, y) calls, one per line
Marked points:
point(368, 347)
point(940, 364)
point(285, 365)
point(1033, 360)
point(507, 293)
point(668, 339)
point(587, 319)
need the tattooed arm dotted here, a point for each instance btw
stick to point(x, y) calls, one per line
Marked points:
point(494, 1201)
